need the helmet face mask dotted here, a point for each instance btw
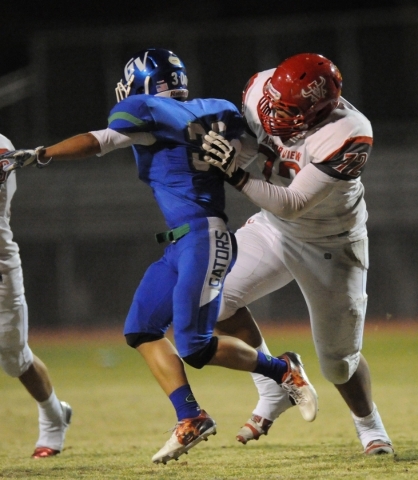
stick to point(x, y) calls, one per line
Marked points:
point(154, 71)
point(303, 90)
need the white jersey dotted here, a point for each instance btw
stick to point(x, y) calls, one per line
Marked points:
point(326, 200)
point(9, 250)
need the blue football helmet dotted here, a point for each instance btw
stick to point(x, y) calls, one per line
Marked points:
point(154, 71)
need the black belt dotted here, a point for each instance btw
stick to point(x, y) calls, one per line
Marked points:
point(173, 235)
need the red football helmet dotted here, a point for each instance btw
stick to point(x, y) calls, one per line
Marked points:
point(303, 90)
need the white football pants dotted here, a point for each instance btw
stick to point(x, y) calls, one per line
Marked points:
point(15, 355)
point(332, 277)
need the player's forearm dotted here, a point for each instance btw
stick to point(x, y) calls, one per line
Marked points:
point(280, 201)
point(79, 146)
point(308, 189)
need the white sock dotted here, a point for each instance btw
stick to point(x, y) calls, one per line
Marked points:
point(50, 409)
point(370, 428)
point(51, 425)
point(273, 400)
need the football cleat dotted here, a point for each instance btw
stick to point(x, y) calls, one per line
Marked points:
point(253, 429)
point(372, 434)
point(298, 386)
point(186, 434)
point(45, 452)
point(379, 447)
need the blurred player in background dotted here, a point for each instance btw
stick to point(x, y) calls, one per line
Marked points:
point(183, 288)
point(311, 146)
point(16, 357)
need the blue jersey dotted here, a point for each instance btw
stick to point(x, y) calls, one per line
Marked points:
point(184, 186)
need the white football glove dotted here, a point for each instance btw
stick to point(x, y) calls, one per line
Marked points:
point(219, 152)
point(22, 158)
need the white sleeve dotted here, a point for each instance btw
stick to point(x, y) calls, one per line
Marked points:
point(6, 143)
point(309, 188)
point(112, 140)
point(249, 150)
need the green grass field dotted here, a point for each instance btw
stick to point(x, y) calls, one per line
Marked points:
point(121, 418)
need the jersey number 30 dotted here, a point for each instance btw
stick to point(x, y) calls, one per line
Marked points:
point(195, 133)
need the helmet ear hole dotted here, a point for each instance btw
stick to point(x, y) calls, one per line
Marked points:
point(337, 83)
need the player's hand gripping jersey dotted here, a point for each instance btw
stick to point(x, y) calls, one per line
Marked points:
point(321, 167)
point(166, 138)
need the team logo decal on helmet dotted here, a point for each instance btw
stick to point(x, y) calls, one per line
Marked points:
point(316, 90)
point(154, 71)
point(175, 61)
point(133, 63)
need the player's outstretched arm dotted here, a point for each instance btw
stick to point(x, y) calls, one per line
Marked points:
point(79, 146)
point(20, 158)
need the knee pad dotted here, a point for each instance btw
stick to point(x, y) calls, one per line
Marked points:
point(15, 361)
point(134, 340)
point(200, 358)
point(339, 371)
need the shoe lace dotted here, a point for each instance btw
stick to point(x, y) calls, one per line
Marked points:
point(172, 429)
point(294, 391)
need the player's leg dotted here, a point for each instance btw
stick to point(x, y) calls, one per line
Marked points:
point(357, 394)
point(202, 266)
point(241, 325)
point(204, 260)
point(257, 272)
point(273, 400)
point(36, 380)
point(148, 319)
point(150, 315)
point(164, 363)
point(17, 360)
point(333, 280)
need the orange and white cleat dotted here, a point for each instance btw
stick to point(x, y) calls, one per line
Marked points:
point(186, 434)
point(296, 383)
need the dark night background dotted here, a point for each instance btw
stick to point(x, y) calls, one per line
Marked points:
point(86, 228)
point(22, 18)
